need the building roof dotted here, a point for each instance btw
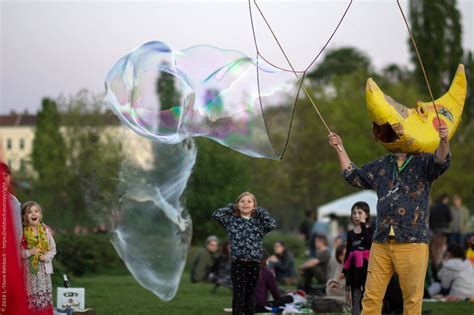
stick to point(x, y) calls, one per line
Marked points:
point(17, 119)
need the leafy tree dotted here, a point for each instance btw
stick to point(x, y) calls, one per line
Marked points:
point(49, 157)
point(94, 154)
point(436, 27)
point(340, 61)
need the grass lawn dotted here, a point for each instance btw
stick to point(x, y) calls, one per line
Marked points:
point(121, 294)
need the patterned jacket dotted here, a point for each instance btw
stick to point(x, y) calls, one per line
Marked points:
point(402, 195)
point(245, 235)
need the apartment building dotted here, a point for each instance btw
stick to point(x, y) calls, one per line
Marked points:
point(17, 132)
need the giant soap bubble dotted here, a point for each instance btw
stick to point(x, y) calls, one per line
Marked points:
point(219, 94)
point(166, 98)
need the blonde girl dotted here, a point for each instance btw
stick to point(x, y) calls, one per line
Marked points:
point(37, 251)
point(246, 224)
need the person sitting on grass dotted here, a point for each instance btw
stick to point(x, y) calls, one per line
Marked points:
point(282, 263)
point(315, 267)
point(220, 271)
point(336, 287)
point(457, 274)
point(204, 260)
point(266, 284)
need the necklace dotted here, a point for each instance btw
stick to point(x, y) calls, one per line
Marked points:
point(397, 170)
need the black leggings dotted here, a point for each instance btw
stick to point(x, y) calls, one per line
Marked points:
point(244, 276)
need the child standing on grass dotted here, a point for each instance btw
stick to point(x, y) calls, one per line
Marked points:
point(37, 250)
point(245, 225)
point(356, 259)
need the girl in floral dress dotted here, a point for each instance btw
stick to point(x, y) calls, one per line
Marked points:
point(37, 251)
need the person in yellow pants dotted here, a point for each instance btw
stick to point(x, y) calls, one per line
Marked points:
point(402, 182)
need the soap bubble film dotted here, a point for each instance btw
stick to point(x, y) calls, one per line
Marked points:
point(164, 98)
point(220, 94)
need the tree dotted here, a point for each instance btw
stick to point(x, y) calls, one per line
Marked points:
point(340, 61)
point(436, 27)
point(94, 154)
point(49, 157)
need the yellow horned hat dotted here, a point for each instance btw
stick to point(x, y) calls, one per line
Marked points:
point(402, 129)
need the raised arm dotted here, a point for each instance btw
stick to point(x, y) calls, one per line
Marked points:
point(336, 143)
point(268, 223)
point(436, 164)
point(222, 215)
point(355, 176)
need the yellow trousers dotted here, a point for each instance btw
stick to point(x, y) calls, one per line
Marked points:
point(409, 261)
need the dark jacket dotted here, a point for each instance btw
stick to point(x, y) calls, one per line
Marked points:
point(245, 235)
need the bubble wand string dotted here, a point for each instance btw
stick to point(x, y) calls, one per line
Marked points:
point(419, 60)
point(289, 62)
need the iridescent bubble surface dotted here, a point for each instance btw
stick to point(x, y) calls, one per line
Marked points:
point(166, 98)
point(216, 95)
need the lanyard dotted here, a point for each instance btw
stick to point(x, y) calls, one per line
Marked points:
point(397, 170)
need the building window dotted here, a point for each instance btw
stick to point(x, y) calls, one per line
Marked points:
point(9, 144)
point(22, 144)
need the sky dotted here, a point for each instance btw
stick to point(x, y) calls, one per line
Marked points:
point(54, 48)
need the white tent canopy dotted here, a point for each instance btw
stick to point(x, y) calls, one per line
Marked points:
point(342, 206)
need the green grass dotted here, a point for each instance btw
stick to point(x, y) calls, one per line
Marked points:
point(121, 294)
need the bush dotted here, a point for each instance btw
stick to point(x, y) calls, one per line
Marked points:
point(296, 246)
point(81, 254)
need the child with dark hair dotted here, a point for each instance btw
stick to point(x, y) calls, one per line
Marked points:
point(220, 271)
point(282, 263)
point(457, 274)
point(356, 259)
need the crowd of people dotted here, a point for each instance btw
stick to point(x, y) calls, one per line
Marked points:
point(413, 250)
point(386, 264)
point(338, 273)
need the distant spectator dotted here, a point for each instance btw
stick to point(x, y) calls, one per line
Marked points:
point(460, 217)
point(307, 224)
point(282, 263)
point(315, 267)
point(321, 227)
point(202, 264)
point(437, 249)
point(440, 215)
point(220, 270)
point(333, 263)
point(456, 275)
point(306, 227)
point(335, 286)
point(266, 285)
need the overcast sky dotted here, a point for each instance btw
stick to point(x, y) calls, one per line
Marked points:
point(49, 48)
